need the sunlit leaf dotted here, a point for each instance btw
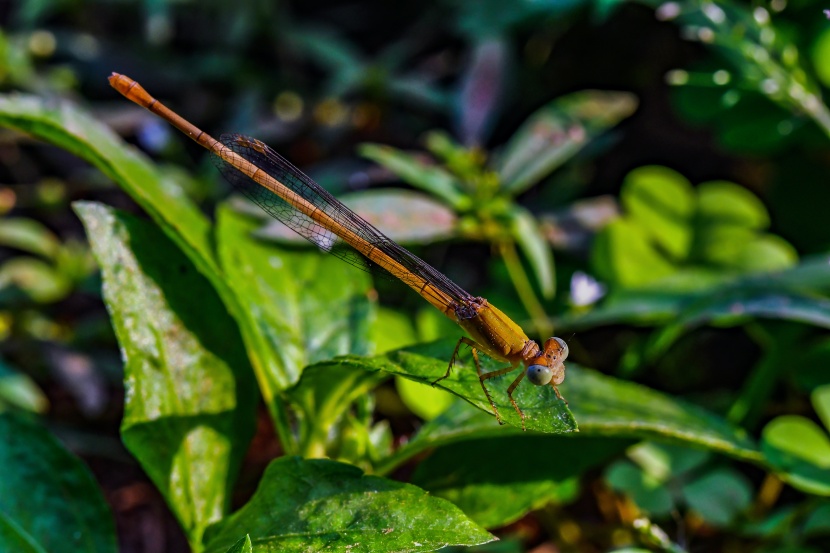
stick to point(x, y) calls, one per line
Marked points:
point(800, 450)
point(320, 504)
point(190, 401)
point(663, 203)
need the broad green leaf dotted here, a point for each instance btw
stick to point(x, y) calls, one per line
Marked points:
point(422, 399)
point(603, 406)
point(736, 303)
point(19, 391)
point(304, 505)
point(797, 293)
point(624, 254)
point(29, 236)
point(662, 202)
point(557, 132)
point(800, 451)
point(528, 235)
point(391, 329)
point(190, 399)
point(427, 362)
point(719, 496)
point(405, 216)
point(723, 203)
point(49, 501)
point(766, 252)
point(416, 172)
point(307, 306)
point(70, 128)
point(498, 479)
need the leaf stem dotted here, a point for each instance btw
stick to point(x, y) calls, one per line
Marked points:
point(524, 288)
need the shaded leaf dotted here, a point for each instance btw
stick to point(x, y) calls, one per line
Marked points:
point(49, 501)
point(496, 480)
point(321, 504)
point(719, 496)
point(649, 493)
point(190, 398)
point(308, 306)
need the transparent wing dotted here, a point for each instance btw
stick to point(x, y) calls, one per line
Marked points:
point(259, 155)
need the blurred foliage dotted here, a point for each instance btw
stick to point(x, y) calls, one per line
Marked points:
point(669, 156)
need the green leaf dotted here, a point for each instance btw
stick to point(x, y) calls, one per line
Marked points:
point(412, 170)
point(663, 461)
point(738, 302)
point(557, 132)
point(49, 501)
point(496, 480)
point(648, 492)
point(527, 233)
point(18, 390)
point(800, 451)
point(719, 496)
point(29, 236)
point(608, 406)
point(319, 504)
point(624, 254)
point(427, 362)
point(64, 125)
point(325, 393)
point(190, 400)
point(723, 203)
point(307, 306)
point(422, 399)
point(242, 546)
point(821, 403)
point(604, 406)
point(39, 280)
point(662, 202)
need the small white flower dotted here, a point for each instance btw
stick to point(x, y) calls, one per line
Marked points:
point(585, 289)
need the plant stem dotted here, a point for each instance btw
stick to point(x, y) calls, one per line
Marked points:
point(524, 288)
point(655, 536)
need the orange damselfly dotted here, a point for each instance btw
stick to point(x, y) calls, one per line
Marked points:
point(290, 196)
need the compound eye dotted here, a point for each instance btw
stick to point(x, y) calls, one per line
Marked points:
point(563, 348)
point(539, 374)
